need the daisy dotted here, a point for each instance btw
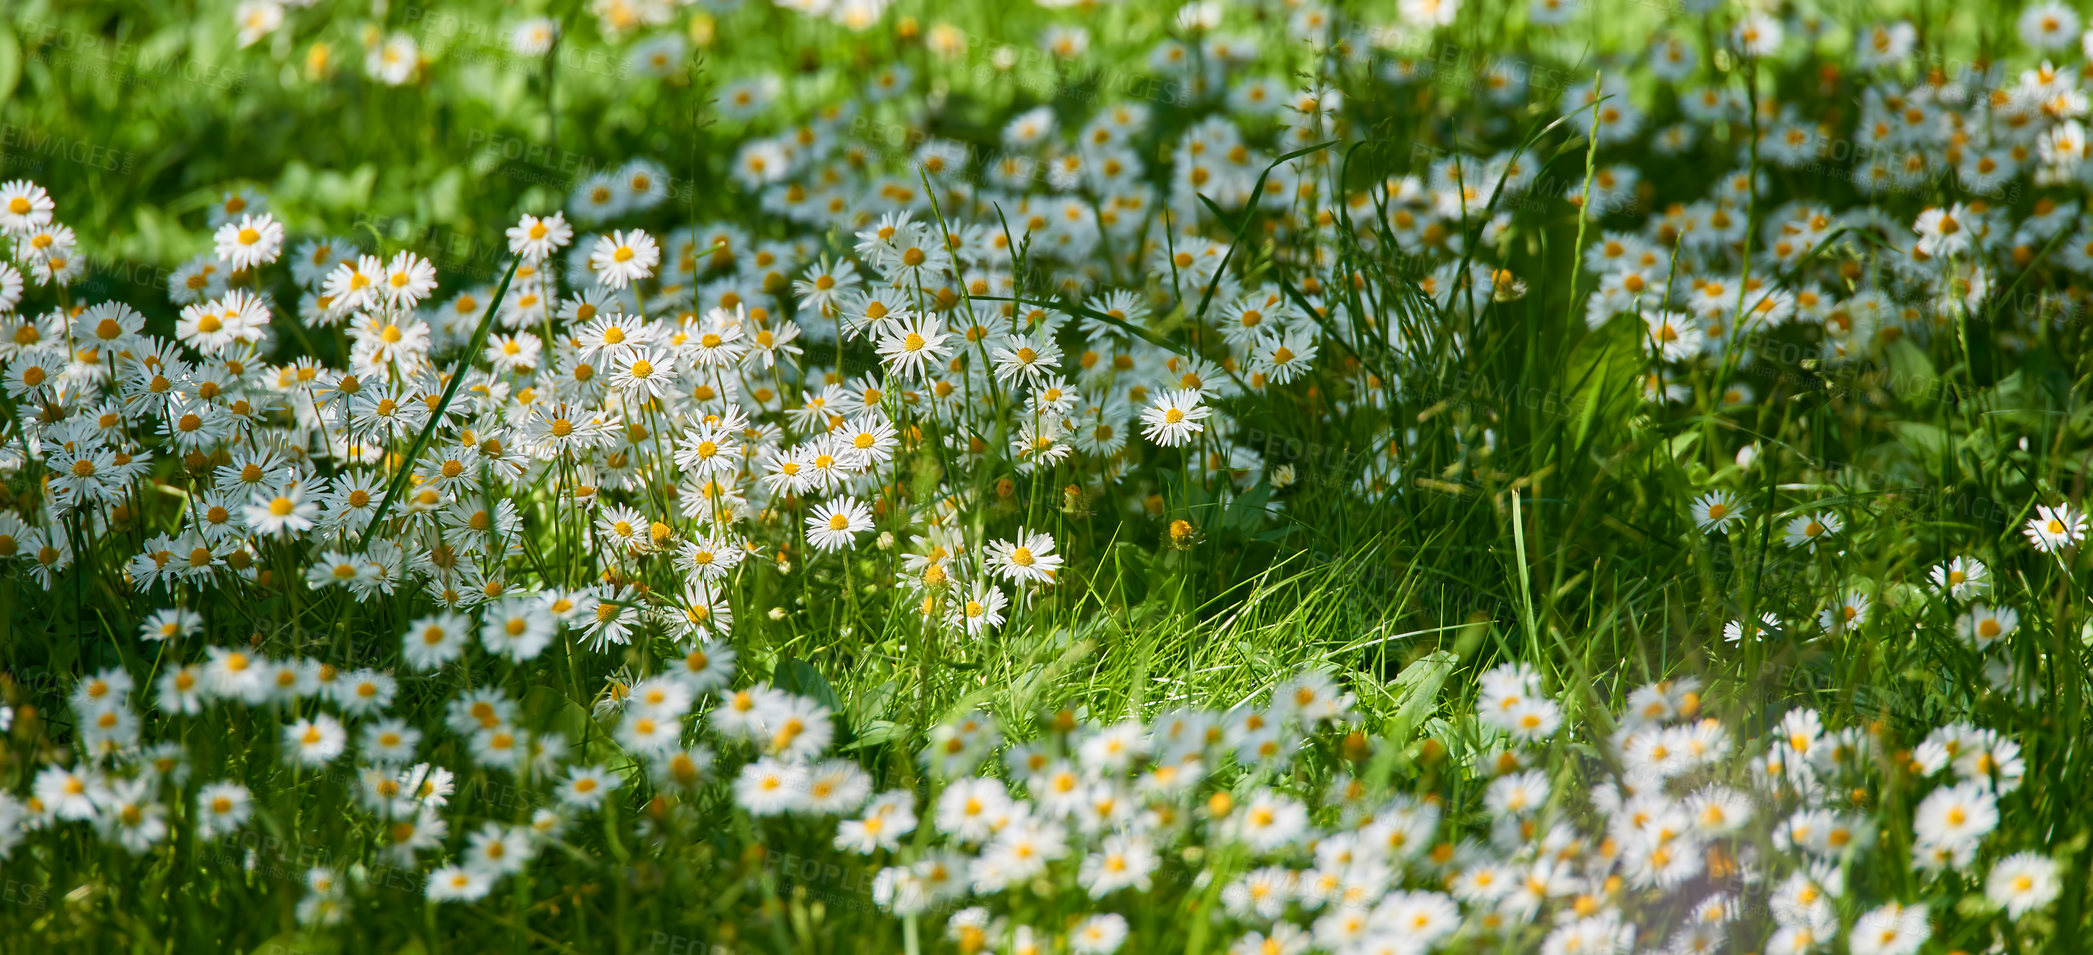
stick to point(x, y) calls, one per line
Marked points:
point(837, 786)
point(766, 344)
point(1715, 511)
point(222, 808)
point(1098, 935)
point(821, 286)
point(835, 524)
point(435, 640)
point(495, 850)
point(611, 623)
point(81, 475)
point(1885, 44)
point(534, 37)
point(508, 354)
point(353, 286)
point(718, 343)
point(69, 794)
point(429, 785)
point(890, 816)
point(709, 559)
point(1027, 358)
point(1955, 816)
point(1675, 335)
point(24, 207)
point(518, 627)
point(458, 884)
point(1808, 530)
point(537, 239)
point(381, 346)
point(137, 822)
point(314, 742)
point(586, 787)
point(2022, 883)
point(236, 675)
point(253, 241)
point(1174, 418)
point(795, 728)
point(1758, 34)
point(625, 528)
point(1281, 358)
point(181, 690)
point(286, 513)
point(706, 668)
point(33, 374)
point(1122, 861)
point(408, 279)
point(394, 61)
point(648, 732)
point(1893, 929)
point(912, 346)
point(1848, 613)
point(621, 258)
point(1961, 578)
point(1267, 821)
point(1030, 558)
point(1943, 232)
point(644, 373)
point(701, 613)
point(869, 440)
point(768, 787)
point(2048, 26)
point(1983, 626)
point(661, 696)
point(2054, 528)
point(363, 692)
point(683, 768)
point(707, 450)
point(389, 742)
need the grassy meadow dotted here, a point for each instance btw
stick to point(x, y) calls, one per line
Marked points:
point(1567, 476)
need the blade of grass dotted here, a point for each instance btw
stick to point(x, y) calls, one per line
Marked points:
point(450, 391)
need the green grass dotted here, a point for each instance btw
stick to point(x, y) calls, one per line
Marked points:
point(1538, 513)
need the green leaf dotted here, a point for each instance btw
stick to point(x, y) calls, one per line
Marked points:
point(1911, 372)
point(1247, 511)
point(1418, 688)
point(1416, 691)
point(549, 708)
point(10, 62)
point(1927, 441)
point(798, 676)
point(1129, 565)
point(1602, 373)
point(877, 733)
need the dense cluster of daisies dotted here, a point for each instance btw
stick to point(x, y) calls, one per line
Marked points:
point(592, 456)
point(1693, 837)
